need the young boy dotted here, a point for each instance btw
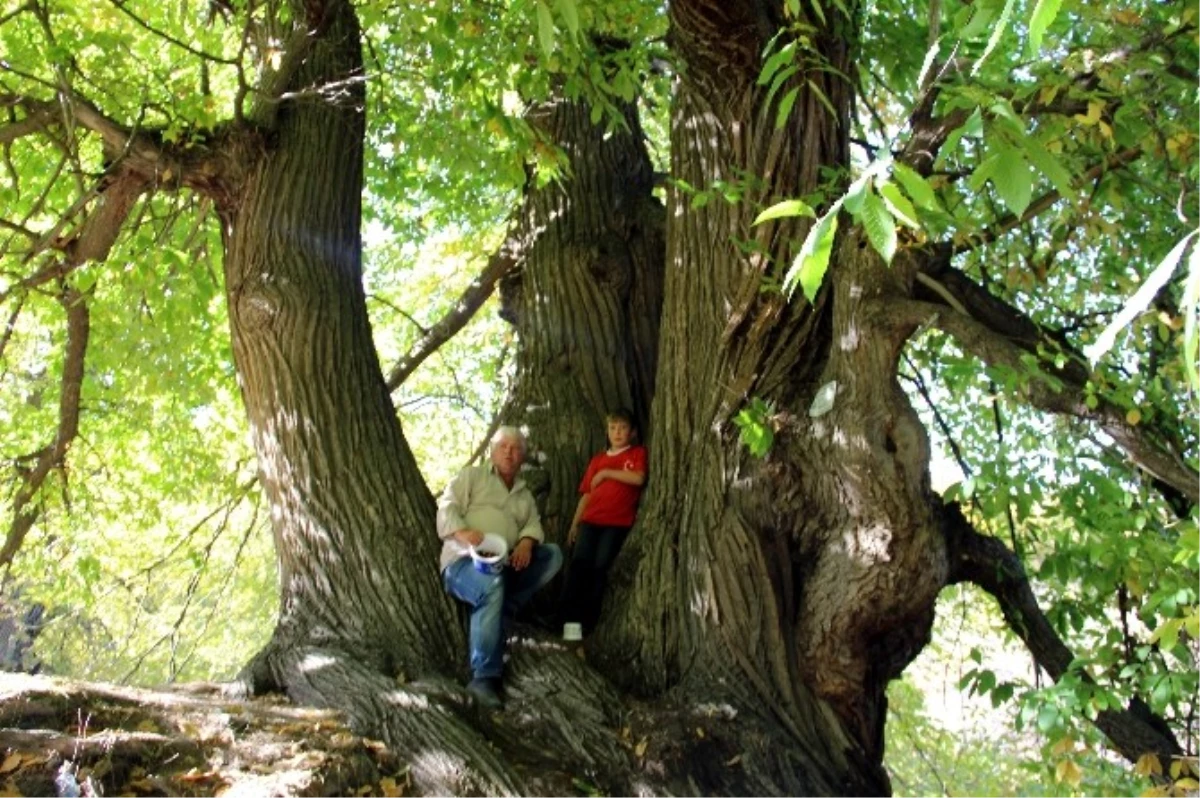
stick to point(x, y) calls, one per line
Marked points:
point(607, 507)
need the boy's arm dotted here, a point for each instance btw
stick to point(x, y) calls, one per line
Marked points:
point(634, 472)
point(636, 478)
point(574, 531)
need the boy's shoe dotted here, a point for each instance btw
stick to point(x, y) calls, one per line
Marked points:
point(485, 692)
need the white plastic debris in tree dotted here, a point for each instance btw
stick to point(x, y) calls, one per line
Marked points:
point(823, 402)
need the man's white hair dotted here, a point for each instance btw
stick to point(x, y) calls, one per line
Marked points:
point(509, 433)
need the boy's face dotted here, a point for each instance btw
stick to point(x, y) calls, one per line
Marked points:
point(619, 433)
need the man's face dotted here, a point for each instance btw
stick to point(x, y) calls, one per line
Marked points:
point(618, 433)
point(507, 457)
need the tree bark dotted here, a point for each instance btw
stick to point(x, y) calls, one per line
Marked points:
point(794, 586)
point(585, 299)
point(351, 515)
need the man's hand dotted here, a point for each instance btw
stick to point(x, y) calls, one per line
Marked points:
point(521, 554)
point(469, 537)
point(601, 475)
point(572, 534)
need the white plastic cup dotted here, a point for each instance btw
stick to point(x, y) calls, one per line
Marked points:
point(572, 632)
point(490, 555)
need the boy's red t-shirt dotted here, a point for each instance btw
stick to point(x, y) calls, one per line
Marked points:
point(613, 503)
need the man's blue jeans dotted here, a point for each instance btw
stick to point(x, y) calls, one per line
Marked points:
point(493, 596)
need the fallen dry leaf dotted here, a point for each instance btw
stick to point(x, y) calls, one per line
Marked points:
point(390, 788)
point(639, 750)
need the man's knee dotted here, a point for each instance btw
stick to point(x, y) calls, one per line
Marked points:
point(493, 590)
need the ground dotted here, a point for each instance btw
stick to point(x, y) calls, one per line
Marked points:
point(66, 737)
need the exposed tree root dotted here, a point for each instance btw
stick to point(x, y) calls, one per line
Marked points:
point(564, 730)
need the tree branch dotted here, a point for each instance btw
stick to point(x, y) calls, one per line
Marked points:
point(171, 39)
point(986, 562)
point(1044, 202)
point(929, 133)
point(470, 301)
point(1057, 391)
point(24, 515)
point(34, 122)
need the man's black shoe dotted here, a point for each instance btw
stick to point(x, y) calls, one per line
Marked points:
point(485, 692)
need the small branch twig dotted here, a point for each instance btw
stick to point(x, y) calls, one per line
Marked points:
point(464, 309)
point(24, 513)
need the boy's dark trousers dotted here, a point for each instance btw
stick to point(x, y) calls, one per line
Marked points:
point(583, 591)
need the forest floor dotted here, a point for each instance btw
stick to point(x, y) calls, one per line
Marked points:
point(72, 738)
point(63, 737)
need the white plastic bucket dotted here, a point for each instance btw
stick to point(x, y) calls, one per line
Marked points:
point(490, 555)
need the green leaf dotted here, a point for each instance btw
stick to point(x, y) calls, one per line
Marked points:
point(545, 28)
point(880, 226)
point(972, 127)
point(809, 266)
point(784, 56)
point(785, 208)
point(1013, 180)
point(916, 187)
point(1191, 308)
point(785, 106)
point(899, 205)
point(754, 426)
point(1043, 15)
point(981, 16)
point(821, 96)
point(856, 195)
point(570, 15)
point(816, 4)
point(1140, 300)
point(997, 33)
point(1050, 166)
point(1047, 718)
point(983, 172)
point(779, 80)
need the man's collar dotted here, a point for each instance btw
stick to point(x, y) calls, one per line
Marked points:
point(518, 482)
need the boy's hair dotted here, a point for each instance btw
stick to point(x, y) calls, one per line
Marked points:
point(621, 414)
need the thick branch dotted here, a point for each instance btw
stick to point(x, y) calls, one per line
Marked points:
point(24, 514)
point(471, 300)
point(1058, 393)
point(987, 562)
point(107, 217)
point(34, 122)
point(143, 152)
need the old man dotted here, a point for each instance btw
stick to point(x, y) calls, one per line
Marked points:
point(493, 499)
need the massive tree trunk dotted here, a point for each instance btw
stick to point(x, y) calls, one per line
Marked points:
point(796, 585)
point(585, 299)
point(362, 613)
point(351, 516)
